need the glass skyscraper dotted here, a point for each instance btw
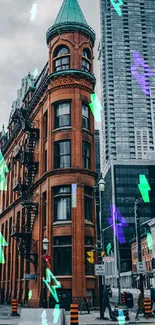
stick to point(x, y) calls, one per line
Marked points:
point(128, 97)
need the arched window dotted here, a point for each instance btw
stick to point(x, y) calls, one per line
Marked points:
point(86, 60)
point(61, 58)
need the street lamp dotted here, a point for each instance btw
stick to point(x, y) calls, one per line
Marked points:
point(45, 243)
point(100, 188)
point(101, 185)
point(138, 239)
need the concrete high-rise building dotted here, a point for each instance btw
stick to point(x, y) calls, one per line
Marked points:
point(128, 110)
point(48, 148)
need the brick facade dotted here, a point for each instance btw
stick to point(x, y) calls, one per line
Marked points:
point(75, 87)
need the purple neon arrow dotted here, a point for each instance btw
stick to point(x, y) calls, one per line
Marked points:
point(115, 213)
point(141, 78)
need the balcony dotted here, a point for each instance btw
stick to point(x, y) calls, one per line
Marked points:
point(17, 232)
point(18, 185)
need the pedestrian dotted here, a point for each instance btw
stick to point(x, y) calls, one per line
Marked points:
point(140, 303)
point(152, 298)
point(106, 302)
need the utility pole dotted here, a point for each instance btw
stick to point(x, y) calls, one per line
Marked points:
point(138, 239)
point(99, 248)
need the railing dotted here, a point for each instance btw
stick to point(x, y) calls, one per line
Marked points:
point(16, 150)
point(16, 181)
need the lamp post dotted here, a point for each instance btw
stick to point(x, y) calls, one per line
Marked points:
point(138, 239)
point(100, 188)
point(45, 244)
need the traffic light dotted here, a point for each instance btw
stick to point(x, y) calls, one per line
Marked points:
point(102, 254)
point(90, 259)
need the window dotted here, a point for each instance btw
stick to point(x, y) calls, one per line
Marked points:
point(85, 116)
point(86, 57)
point(44, 204)
point(45, 125)
point(86, 154)
point(62, 115)
point(45, 161)
point(61, 58)
point(62, 255)
point(62, 203)
point(88, 204)
point(62, 154)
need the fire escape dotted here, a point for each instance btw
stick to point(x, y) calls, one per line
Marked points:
point(26, 156)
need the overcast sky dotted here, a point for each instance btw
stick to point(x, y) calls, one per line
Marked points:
point(23, 43)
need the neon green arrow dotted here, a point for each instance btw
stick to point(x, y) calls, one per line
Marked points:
point(144, 188)
point(95, 107)
point(2, 243)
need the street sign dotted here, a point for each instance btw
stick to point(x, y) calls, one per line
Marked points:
point(108, 259)
point(28, 276)
point(99, 269)
point(141, 267)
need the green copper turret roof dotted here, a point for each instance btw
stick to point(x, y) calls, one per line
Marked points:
point(70, 11)
point(70, 19)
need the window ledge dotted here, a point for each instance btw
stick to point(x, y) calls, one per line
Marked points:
point(62, 128)
point(90, 276)
point(89, 223)
point(62, 222)
point(86, 130)
point(63, 276)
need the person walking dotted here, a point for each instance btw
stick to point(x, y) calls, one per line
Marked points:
point(140, 303)
point(152, 291)
point(106, 302)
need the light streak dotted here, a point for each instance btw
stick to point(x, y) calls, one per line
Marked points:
point(35, 73)
point(52, 289)
point(29, 294)
point(149, 241)
point(56, 313)
point(108, 248)
point(44, 318)
point(118, 227)
point(121, 317)
point(74, 188)
point(2, 243)
point(144, 188)
point(33, 11)
point(95, 107)
point(117, 6)
point(3, 169)
point(141, 77)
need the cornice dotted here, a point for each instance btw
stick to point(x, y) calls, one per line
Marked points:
point(67, 27)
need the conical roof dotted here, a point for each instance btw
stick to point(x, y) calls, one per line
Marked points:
point(70, 19)
point(70, 11)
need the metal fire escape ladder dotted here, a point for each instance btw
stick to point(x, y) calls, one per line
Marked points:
point(24, 236)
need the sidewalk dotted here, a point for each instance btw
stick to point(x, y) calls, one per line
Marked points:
point(90, 319)
point(84, 319)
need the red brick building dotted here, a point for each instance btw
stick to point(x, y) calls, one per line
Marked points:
point(146, 257)
point(49, 147)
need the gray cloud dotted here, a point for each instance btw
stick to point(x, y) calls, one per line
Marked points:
point(23, 43)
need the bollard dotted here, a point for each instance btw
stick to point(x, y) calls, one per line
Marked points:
point(147, 306)
point(74, 315)
point(14, 307)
